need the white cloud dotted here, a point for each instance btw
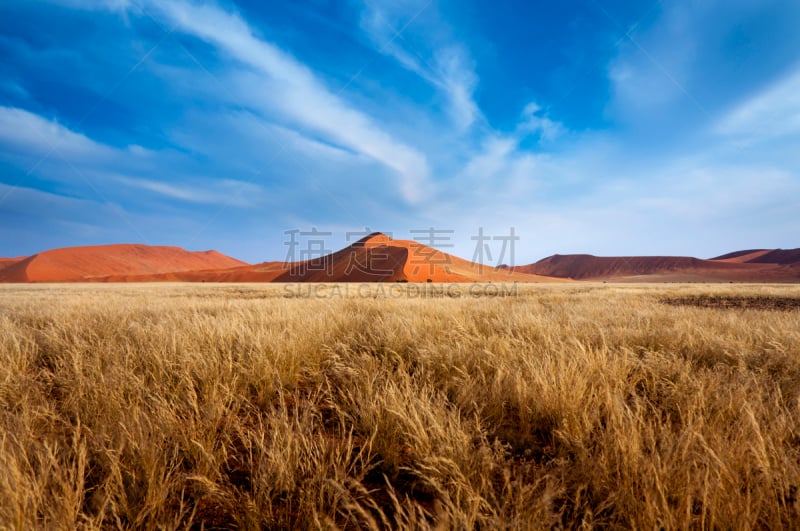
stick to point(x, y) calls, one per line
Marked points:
point(35, 137)
point(206, 191)
point(439, 60)
point(652, 73)
point(499, 171)
point(491, 160)
point(534, 120)
point(33, 134)
point(256, 142)
point(30, 134)
point(501, 167)
point(286, 87)
point(773, 113)
point(95, 5)
point(458, 80)
point(291, 89)
point(25, 198)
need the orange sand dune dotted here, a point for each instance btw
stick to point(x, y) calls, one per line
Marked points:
point(5, 262)
point(742, 266)
point(378, 258)
point(92, 263)
point(375, 258)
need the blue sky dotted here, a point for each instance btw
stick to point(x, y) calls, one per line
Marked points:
point(607, 127)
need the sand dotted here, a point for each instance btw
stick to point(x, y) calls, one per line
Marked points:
point(92, 263)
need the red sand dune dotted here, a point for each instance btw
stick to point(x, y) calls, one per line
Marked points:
point(742, 266)
point(741, 256)
point(379, 258)
point(5, 262)
point(375, 258)
point(91, 263)
point(763, 256)
point(778, 256)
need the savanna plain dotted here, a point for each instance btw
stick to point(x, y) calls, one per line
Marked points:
point(569, 405)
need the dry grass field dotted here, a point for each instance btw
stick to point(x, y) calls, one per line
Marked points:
point(461, 407)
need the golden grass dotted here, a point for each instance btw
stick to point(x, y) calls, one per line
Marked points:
point(263, 406)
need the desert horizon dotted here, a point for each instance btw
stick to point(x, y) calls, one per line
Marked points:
point(380, 258)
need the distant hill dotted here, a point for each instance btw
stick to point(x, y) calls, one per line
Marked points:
point(762, 265)
point(778, 256)
point(586, 266)
point(92, 263)
point(742, 256)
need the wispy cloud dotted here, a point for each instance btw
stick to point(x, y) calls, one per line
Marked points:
point(536, 121)
point(113, 5)
point(651, 77)
point(773, 113)
point(202, 191)
point(33, 134)
point(436, 58)
point(291, 89)
point(500, 167)
point(283, 87)
point(34, 137)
